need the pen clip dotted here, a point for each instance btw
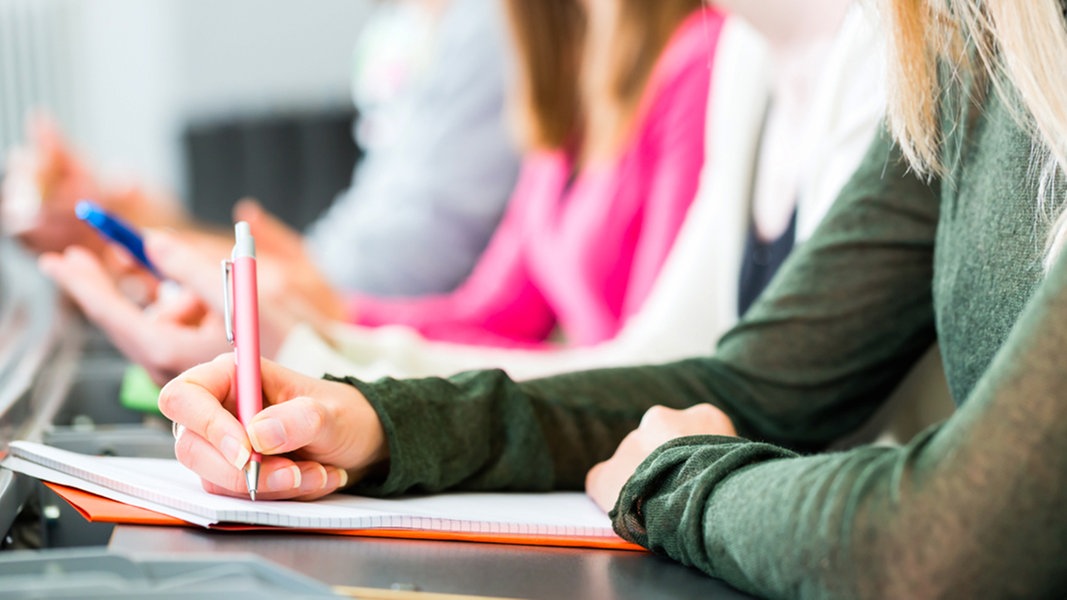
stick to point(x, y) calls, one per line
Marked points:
point(227, 297)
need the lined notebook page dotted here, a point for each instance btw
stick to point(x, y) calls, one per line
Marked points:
point(169, 488)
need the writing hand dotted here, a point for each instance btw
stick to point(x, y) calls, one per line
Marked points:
point(659, 425)
point(315, 435)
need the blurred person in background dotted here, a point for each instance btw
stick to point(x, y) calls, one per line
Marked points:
point(791, 112)
point(611, 101)
point(439, 163)
point(612, 107)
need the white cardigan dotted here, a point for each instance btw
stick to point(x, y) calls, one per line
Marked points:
point(695, 297)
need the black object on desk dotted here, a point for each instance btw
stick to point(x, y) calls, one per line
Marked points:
point(498, 570)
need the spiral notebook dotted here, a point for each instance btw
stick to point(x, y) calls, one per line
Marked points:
point(167, 488)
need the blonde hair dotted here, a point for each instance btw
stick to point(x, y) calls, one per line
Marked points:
point(579, 87)
point(1024, 42)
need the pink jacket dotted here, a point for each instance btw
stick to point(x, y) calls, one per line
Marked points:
point(582, 258)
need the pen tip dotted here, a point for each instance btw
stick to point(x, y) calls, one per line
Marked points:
point(82, 209)
point(252, 478)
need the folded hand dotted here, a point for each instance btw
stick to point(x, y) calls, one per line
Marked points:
point(658, 426)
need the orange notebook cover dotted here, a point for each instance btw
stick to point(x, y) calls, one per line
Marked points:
point(97, 509)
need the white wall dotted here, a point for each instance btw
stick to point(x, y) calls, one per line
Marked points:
point(123, 106)
point(250, 52)
point(145, 68)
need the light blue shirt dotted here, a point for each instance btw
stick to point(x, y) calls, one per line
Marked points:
point(423, 205)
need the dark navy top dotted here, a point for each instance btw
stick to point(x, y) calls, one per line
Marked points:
point(761, 261)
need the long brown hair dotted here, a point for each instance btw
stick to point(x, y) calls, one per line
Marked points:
point(581, 82)
point(617, 65)
point(548, 37)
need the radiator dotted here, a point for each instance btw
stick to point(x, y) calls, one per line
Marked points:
point(36, 63)
point(294, 163)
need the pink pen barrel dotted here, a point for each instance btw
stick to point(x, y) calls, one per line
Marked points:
point(246, 341)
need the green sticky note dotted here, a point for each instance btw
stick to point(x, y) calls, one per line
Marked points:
point(138, 391)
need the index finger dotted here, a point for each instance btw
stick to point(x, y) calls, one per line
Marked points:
point(200, 399)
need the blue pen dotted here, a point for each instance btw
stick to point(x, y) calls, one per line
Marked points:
point(115, 230)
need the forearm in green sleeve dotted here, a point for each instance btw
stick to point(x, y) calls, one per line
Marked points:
point(483, 431)
point(757, 516)
point(848, 315)
point(972, 508)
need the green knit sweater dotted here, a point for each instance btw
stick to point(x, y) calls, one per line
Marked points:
point(976, 507)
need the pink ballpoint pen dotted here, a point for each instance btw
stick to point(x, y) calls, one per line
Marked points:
point(242, 331)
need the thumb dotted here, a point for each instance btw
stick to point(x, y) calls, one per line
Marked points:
point(288, 426)
point(180, 260)
point(272, 235)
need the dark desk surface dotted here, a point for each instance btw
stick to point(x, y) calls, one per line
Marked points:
point(445, 567)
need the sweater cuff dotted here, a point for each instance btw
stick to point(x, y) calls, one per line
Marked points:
point(425, 455)
point(662, 505)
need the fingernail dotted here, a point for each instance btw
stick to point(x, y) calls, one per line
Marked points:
point(284, 479)
point(324, 476)
point(342, 477)
point(267, 434)
point(169, 290)
point(234, 451)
